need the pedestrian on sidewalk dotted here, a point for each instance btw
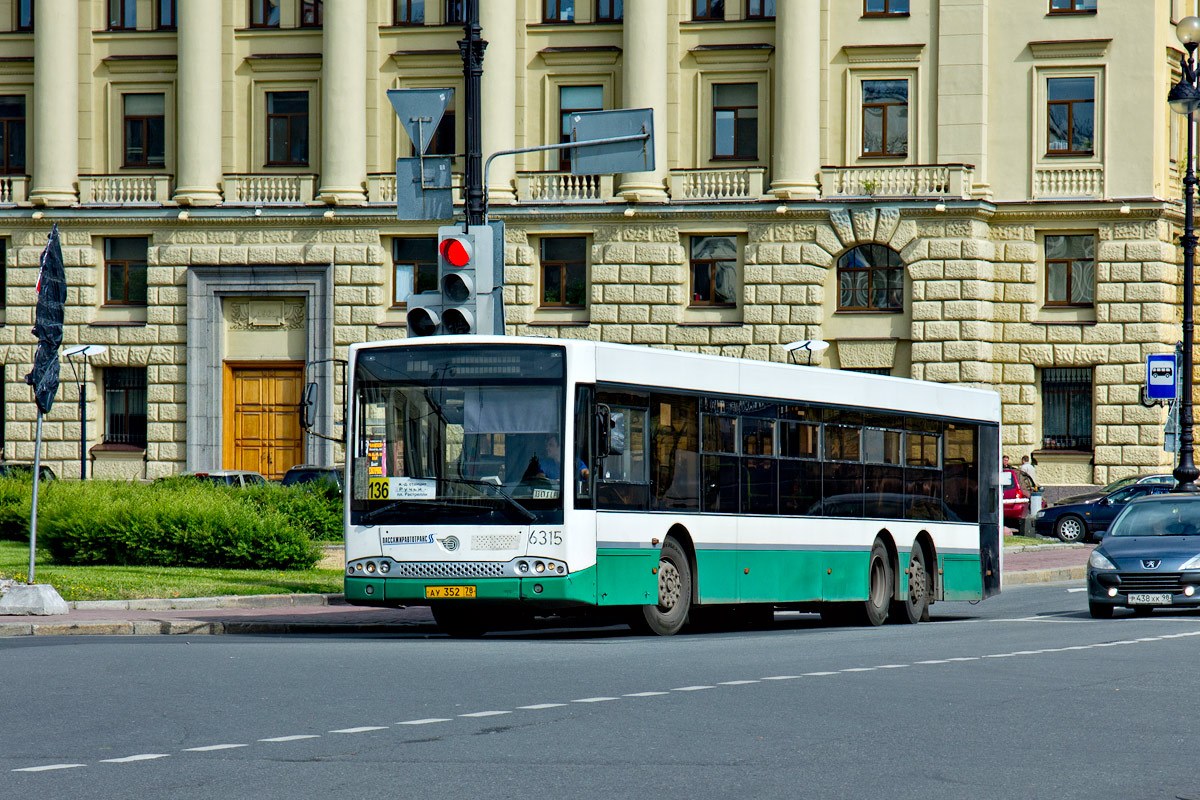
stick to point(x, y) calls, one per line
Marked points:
point(1029, 467)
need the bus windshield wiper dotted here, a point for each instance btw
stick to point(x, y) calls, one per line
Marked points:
point(522, 510)
point(431, 505)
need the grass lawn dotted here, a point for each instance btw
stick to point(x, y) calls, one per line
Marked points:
point(127, 583)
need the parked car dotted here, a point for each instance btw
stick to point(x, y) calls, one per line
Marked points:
point(1078, 522)
point(309, 473)
point(20, 469)
point(1168, 480)
point(1150, 558)
point(1017, 489)
point(230, 477)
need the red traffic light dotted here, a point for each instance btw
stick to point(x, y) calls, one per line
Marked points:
point(456, 250)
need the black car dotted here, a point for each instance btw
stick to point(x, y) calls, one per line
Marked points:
point(1077, 522)
point(330, 477)
point(1150, 557)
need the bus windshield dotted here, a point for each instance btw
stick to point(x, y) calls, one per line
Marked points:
point(458, 435)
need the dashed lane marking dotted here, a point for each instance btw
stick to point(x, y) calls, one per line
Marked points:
point(140, 757)
point(486, 714)
point(691, 688)
point(429, 721)
point(210, 747)
point(49, 767)
point(735, 683)
point(596, 699)
point(361, 729)
point(645, 694)
point(295, 738)
point(540, 706)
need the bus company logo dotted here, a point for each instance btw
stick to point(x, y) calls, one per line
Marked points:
point(423, 539)
point(450, 543)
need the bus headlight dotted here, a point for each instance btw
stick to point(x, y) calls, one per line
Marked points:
point(370, 566)
point(385, 566)
point(538, 566)
point(522, 566)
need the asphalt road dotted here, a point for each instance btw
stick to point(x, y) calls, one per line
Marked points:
point(1022, 696)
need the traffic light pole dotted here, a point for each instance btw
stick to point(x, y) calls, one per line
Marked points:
point(472, 47)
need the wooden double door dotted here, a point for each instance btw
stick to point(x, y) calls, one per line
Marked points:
point(262, 417)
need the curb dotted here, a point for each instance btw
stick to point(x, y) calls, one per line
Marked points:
point(206, 603)
point(1043, 576)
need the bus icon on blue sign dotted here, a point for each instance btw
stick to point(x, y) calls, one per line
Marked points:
point(1160, 377)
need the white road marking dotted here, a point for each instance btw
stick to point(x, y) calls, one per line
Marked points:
point(735, 683)
point(127, 759)
point(207, 748)
point(429, 721)
point(891, 666)
point(935, 661)
point(817, 674)
point(295, 738)
point(858, 669)
point(644, 694)
point(540, 706)
point(362, 729)
point(1077, 589)
point(486, 714)
point(595, 699)
point(690, 688)
point(781, 678)
point(49, 767)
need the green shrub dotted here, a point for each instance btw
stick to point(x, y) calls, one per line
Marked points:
point(173, 524)
point(311, 507)
point(16, 497)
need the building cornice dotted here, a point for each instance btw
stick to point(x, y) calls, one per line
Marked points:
point(883, 53)
point(1071, 48)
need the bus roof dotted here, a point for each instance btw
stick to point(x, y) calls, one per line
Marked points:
point(642, 365)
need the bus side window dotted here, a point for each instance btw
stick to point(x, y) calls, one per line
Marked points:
point(585, 432)
point(675, 452)
point(624, 478)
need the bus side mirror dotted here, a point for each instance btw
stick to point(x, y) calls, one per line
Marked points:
point(610, 432)
point(308, 406)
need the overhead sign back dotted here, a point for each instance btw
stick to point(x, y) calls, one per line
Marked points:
point(633, 155)
point(420, 111)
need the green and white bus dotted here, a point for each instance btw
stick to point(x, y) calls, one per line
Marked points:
point(495, 477)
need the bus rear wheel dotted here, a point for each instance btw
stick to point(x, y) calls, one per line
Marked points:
point(461, 621)
point(915, 605)
point(874, 610)
point(674, 594)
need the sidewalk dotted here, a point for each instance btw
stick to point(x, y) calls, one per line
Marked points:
point(329, 614)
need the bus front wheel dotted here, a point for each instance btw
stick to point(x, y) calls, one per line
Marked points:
point(674, 593)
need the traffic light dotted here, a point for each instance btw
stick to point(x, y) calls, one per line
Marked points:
point(466, 301)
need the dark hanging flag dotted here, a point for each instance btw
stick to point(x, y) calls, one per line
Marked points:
point(48, 324)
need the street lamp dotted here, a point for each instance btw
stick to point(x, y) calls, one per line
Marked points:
point(82, 350)
point(1185, 99)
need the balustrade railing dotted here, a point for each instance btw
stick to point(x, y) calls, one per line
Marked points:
point(14, 190)
point(269, 190)
point(1062, 182)
point(716, 184)
point(124, 190)
point(563, 187)
point(912, 180)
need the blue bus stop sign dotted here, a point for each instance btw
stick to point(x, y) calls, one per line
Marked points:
point(1160, 377)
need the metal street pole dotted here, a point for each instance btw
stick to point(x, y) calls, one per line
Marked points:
point(472, 47)
point(1185, 99)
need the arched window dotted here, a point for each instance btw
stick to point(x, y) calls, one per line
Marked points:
point(871, 278)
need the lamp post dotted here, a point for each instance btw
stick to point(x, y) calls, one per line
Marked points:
point(1185, 99)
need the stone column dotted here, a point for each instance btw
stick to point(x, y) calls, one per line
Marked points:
point(645, 86)
point(55, 103)
point(344, 103)
point(198, 105)
point(497, 19)
point(797, 105)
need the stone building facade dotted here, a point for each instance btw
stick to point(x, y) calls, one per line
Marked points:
point(897, 183)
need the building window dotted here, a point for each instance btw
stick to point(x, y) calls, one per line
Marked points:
point(708, 10)
point(610, 10)
point(455, 12)
point(564, 272)
point(125, 406)
point(1070, 270)
point(12, 134)
point(714, 271)
point(165, 11)
point(144, 130)
point(1070, 111)
point(573, 99)
point(1067, 409)
point(311, 13)
point(1072, 6)
point(885, 8)
point(410, 12)
point(122, 15)
point(558, 10)
point(125, 271)
point(735, 120)
point(760, 9)
point(287, 129)
point(24, 15)
point(264, 13)
point(415, 268)
point(885, 118)
point(871, 278)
